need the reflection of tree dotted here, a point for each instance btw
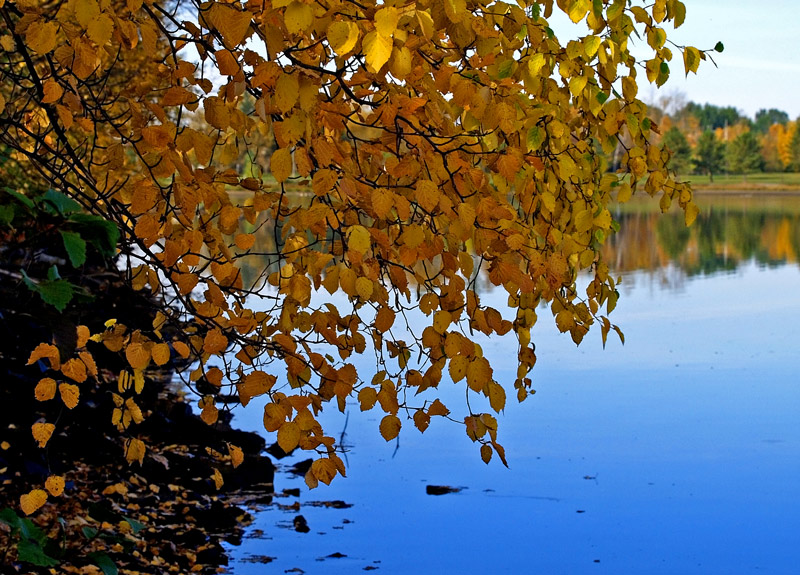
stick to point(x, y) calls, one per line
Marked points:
point(673, 235)
point(723, 237)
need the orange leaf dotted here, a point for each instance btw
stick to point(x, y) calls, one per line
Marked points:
point(237, 456)
point(137, 355)
point(217, 477)
point(390, 427)
point(55, 485)
point(46, 351)
point(182, 349)
point(215, 342)
point(75, 370)
point(32, 501)
point(289, 436)
point(42, 432)
point(45, 389)
point(69, 394)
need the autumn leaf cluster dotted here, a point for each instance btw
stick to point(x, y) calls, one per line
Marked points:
point(423, 147)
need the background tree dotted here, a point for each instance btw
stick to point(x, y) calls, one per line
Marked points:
point(709, 155)
point(680, 151)
point(744, 154)
point(767, 118)
point(438, 144)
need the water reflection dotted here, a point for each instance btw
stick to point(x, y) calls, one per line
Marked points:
point(730, 231)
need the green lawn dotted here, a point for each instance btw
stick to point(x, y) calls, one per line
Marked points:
point(738, 182)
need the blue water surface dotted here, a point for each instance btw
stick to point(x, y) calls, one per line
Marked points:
point(677, 453)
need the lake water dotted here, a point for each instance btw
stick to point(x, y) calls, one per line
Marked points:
point(676, 453)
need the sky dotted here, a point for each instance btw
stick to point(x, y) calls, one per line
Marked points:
point(760, 66)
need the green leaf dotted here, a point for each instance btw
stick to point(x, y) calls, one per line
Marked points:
point(602, 97)
point(535, 138)
point(504, 69)
point(89, 532)
point(10, 518)
point(719, 47)
point(75, 246)
point(55, 292)
point(136, 526)
point(24, 200)
point(31, 552)
point(6, 215)
point(99, 232)
point(63, 204)
point(102, 560)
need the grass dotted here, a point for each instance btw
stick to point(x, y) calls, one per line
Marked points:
point(771, 182)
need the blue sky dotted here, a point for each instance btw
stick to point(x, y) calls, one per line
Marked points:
point(760, 67)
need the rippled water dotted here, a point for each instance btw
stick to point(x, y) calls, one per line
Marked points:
point(676, 453)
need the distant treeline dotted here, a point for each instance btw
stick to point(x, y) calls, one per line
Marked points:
point(710, 140)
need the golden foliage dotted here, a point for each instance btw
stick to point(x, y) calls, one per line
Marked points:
point(419, 146)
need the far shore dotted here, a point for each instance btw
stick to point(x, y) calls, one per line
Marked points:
point(777, 183)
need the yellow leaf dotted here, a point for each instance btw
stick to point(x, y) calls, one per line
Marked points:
point(390, 427)
point(478, 373)
point(160, 353)
point(69, 394)
point(577, 84)
point(342, 36)
point(287, 91)
point(324, 470)
point(100, 29)
point(32, 501)
point(442, 320)
point(232, 24)
point(455, 10)
point(692, 211)
point(45, 389)
point(135, 450)
point(237, 456)
point(497, 396)
point(358, 239)
point(298, 17)
point(486, 453)
point(579, 9)
point(217, 478)
point(280, 164)
point(377, 49)
point(364, 288)
point(41, 37)
point(244, 241)
point(458, 368)
point(55, 485)
point(289, 436)
point(413, 236)
point(427, 195)
point(85, 11)
point(52, 93)
point(386, 21)
point(137, 355)
point(42, 432)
